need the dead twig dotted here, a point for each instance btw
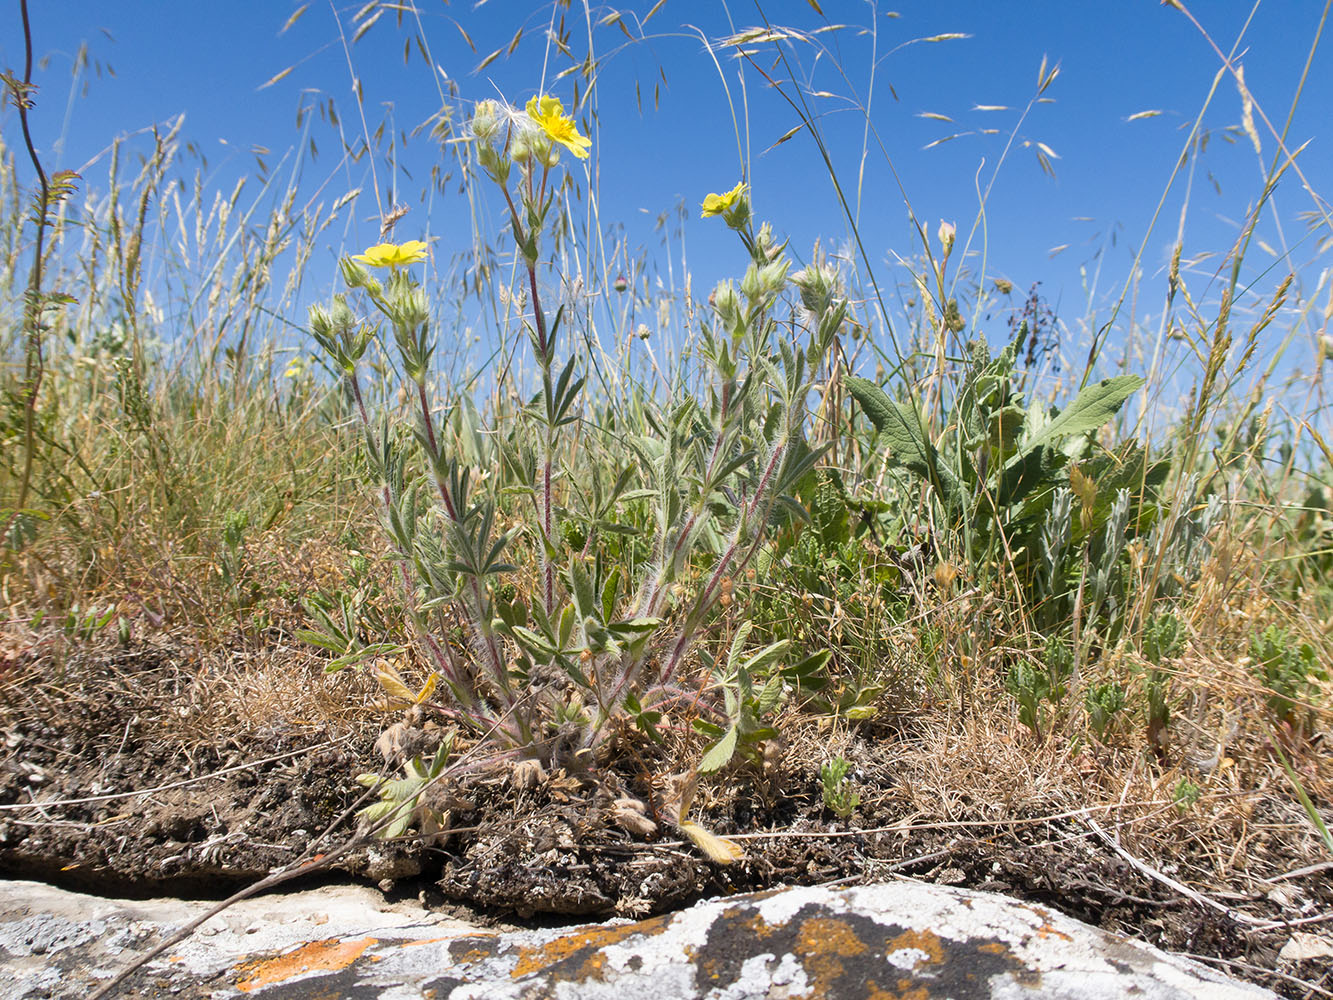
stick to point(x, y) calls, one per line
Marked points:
point(1166, 880)
point(1257, 970)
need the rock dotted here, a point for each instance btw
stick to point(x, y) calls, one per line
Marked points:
point(901, 939)
point(1302, 947)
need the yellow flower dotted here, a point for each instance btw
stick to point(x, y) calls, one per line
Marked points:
point(716, 204)
point(549, 114)
point(393, 254)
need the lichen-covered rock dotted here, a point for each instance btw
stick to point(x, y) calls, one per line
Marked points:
point(901, 940)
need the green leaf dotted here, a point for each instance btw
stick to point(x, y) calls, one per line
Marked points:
point(334, 644)
point(634, 626)
point(567, 618)
point(708, 728)
point(770, 696)
point(737, 645)
point(809, 673)
point(720, 752)
point(379, 810)
point(532, 642)
point(357, 656)
point(905, 436)
point(610, 590)
point(766, 656)
point(580, 587)
point(1090, 409)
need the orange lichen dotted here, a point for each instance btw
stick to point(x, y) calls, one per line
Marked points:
point(821, 944)
point(589, 940)
point(907, 990)
point(923, 941)
point(1046, 930)
point(317, 956)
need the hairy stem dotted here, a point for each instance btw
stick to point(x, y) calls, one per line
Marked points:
point(34, 365)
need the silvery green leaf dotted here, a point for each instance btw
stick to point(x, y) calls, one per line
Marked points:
point(720, 752)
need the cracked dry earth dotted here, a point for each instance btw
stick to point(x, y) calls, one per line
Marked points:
point(100, 800)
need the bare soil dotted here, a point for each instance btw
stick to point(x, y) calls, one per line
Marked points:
point(115, 778)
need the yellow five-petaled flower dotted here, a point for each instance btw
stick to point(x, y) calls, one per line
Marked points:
point(716, 204)
point(393, 254)
point(549, 114)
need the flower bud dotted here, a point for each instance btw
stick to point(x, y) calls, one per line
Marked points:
point(727, 305)
point(818, 285)
point(772, 277)
point(750, 284)
point(354, 274)
point(340, 315)
point(767, 243)
point(947, 233)
point(486, 121)
point(520, 148)
point(495, 163)
point(320, 323)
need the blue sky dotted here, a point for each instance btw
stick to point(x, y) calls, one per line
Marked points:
point(1118, 59)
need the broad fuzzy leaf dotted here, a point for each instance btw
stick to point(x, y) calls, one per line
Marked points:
point(903, 432)
point(1090, 409)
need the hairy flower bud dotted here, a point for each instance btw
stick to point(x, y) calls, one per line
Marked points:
point(818, 285)
point(354, 274)
point(495, 163)
point(486, 121)
point(727, 305)
point(321, 325)
point(340, 315)
point(772, 277)
point(520, 148)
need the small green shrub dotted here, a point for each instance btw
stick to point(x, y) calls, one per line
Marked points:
point(399, 806)
point(1104, 703)
point(840, 797)
point(997, 464)
point(1290, 672)
point(1162, 639)
point(1185, 794)
point(1032, 685)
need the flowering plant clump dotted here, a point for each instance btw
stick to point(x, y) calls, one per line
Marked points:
point(547, 630)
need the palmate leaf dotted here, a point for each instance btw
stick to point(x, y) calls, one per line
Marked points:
point(401, 797)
